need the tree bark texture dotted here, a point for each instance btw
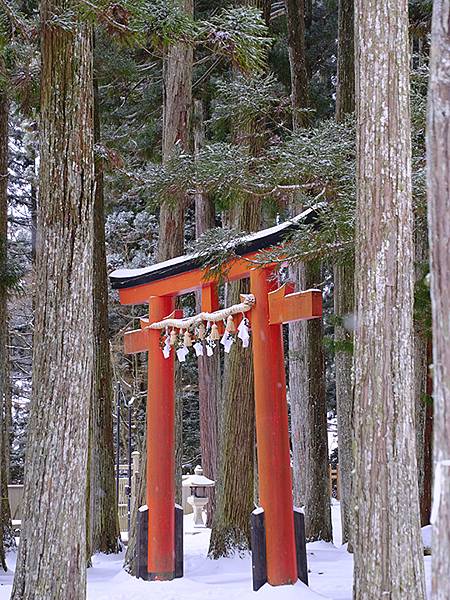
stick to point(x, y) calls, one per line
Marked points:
point(103, 524)
point(345, 92)
point(297, 60)
point(344, 306)
point(420, 359)
point(177, 109)
point(387, 539)
point(306, 363)
point(438, 155)
point(235, 495)
point(52, 554)
point(4, 382)
point(344, 297)
point(309, 416)
point(209, 376)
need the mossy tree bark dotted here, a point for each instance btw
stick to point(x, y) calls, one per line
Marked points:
point(438, 155)
point(52, 556)
point(387, 539)
point(103, 521)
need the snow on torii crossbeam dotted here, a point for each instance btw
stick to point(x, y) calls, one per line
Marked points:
point(158, 286)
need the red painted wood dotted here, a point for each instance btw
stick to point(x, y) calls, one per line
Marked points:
point(275, 479)
point(135, 341)
point(177, 285)
point(285, 305)
point(160, 449)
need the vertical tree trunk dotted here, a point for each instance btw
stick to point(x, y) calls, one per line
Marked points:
point(235, 501)
point(344, 306)
point(438, 155)
point(4, 383)
point(387, 540)
point(420, 359)
point(309, 417)
point(209, 380)
point(297, 60)
point(52, 554)
point(345, 90)
point(176, 136)
point(306, 365)
point(177, 108)
point(103, 524)
point(344, 302)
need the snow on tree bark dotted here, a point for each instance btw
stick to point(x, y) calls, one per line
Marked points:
point(52, 554)
point(387, 539)
point(438, 157)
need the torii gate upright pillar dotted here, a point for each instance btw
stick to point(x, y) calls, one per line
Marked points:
point(272, 436)
point(160, 449)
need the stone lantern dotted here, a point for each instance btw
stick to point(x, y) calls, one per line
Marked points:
point(198, 498)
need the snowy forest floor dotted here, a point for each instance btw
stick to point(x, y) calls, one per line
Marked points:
point(330, 574)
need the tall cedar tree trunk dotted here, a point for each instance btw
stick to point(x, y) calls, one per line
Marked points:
point(344, 307)
point(235, 489)
point(421, 357)
point(306, 363)
point(438, 155)
point(4, 383)
point(176, 136)
point(344, 298)
point(309, 416)
point(177, 109)
point(235, 501)
point(209, 380)
point(297, 61)
point(52, 553)
point(103, 520)
point(387, 538)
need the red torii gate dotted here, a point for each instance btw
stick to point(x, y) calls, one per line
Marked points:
point(158, 286)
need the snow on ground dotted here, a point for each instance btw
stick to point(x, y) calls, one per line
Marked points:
point(330, 575)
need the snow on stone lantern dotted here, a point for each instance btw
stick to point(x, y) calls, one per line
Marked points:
point(198, 498)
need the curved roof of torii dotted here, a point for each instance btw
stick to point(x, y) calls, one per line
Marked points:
point(273, 236)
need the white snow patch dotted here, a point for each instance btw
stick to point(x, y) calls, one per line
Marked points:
point(330, 574)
